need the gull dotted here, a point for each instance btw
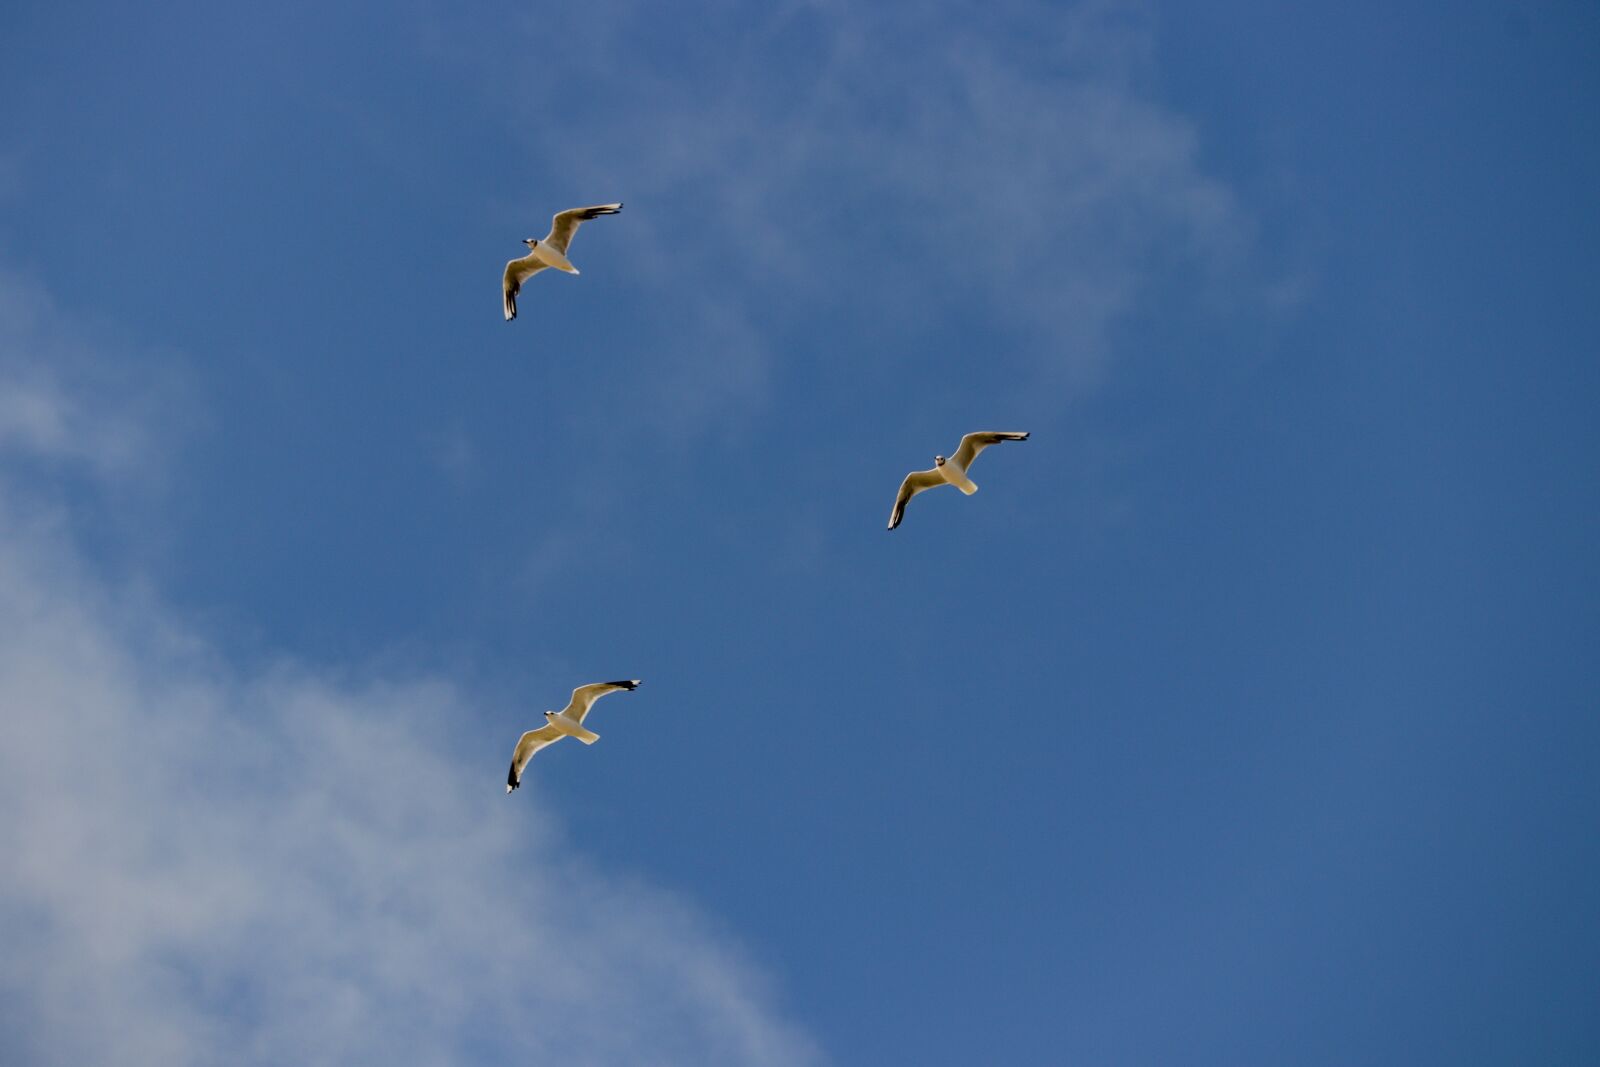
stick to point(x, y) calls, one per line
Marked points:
point(952, 471)
point(549, 251)
point(568, 722)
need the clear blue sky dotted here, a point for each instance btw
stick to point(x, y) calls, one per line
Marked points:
point(1246, 716)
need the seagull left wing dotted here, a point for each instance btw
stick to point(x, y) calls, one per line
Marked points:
point(584, 696)
point(531, 742)
point(517, 272)
point(566, 223)
point(974, 443)
point(915, 482)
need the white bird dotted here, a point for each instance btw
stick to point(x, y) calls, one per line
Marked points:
point(568, 722)
point(550, 251)
point(952, 471)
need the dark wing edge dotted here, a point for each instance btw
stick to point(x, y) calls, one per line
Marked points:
point(914, 483)
point(509, 287)
point(899, 510)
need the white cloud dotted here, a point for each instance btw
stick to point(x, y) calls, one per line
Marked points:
point(203, 867)
point(61, 403)
point(208, 864)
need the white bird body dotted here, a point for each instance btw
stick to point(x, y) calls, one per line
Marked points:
point(956, 476)
point(553, 257)
point(951, 471)
point(570, 727)
point(568, 722)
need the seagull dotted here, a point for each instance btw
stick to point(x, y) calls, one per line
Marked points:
point(568, 722)
point(952, 471)
point(550, 251)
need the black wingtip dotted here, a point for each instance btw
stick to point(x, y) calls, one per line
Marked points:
point(627, 683)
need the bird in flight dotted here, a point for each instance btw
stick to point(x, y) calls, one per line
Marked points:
point(568, 722)
point(548, 251)
point(952, 471)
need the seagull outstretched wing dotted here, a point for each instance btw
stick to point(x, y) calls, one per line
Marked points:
point(531, 742)
point(915, 483)
point(974, 443)
point(584, 696)
point(566, 223)
point(517, 272)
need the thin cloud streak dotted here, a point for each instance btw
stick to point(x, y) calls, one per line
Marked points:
point(845, 186)
point(1017, 167)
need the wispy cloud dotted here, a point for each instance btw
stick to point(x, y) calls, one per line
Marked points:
point(209, 863)
point(62, 404)
point(822, 196)
point(840, 167)
point(205, 866)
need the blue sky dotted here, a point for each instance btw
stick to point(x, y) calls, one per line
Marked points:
point(1245, 716)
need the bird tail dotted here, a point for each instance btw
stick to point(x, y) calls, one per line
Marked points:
point(554, 257)
point(969, 488)
point(588, 737)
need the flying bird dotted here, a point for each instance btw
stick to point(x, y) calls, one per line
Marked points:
point(548, 251)
point(568, 722)
point(952, 471)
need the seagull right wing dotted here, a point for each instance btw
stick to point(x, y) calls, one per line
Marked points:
point(915, 483)
point(974, 443)
point(566, 223)
point(584, 696)
point(531, 742)
point(517, 272)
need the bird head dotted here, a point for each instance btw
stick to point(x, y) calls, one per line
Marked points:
point(549, 715)
point(938, 461)
point(530, 241)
